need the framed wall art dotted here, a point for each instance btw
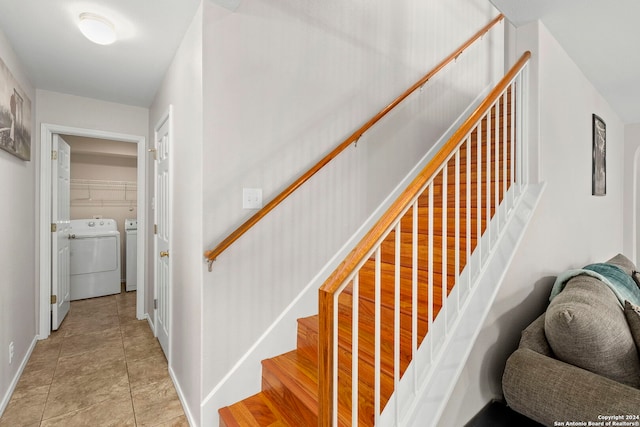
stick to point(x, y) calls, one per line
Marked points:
point(599, 157)
point(15, 116)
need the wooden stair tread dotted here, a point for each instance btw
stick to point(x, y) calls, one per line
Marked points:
point(387, 288)
point(291, 378)
point(308, 336)
point(254, 411)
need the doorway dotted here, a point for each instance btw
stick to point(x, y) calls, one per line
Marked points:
point(47, 133)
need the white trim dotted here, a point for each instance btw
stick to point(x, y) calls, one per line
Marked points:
point(46, 133)
point(7, 396)
point(183, 400)
point(152, 326)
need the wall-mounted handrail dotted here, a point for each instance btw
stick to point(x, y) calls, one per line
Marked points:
point(370, 245)
point(212, 254)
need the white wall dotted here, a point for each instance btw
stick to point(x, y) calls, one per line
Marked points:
point(632, 191)
point(87, 113)
point(570, 229)
point(182, 88)
point(17, 249)
point(284, 83)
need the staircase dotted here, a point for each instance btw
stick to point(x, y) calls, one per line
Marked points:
point(416, 267)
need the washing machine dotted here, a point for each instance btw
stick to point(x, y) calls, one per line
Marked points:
point(131, 256)
point(95, 258)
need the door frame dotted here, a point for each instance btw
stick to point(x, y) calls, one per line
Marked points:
point(46, 133)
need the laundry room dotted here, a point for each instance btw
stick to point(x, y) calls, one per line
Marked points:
point(103, 187)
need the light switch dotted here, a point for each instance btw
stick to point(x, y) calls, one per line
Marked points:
point(252, 198)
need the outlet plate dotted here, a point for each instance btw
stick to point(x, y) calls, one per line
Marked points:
point(10, 352)
point(252, 198)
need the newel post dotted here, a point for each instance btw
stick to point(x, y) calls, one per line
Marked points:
point(325, 359)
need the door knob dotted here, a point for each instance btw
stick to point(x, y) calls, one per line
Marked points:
point(164, 254)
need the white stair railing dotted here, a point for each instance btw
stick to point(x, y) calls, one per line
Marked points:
point(413, 276)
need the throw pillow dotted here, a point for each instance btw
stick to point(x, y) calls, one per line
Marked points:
point(586, 327)
point(624, 263)
point(632, 313)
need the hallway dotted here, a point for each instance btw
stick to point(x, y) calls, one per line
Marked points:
point(103, 367)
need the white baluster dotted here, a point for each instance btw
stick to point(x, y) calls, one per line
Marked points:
point(354, 351)
point(376, 388)
point(445, 183)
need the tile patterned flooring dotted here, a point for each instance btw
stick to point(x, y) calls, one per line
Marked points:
point(103, 367)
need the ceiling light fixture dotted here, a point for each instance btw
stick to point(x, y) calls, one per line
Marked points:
point(96, 28)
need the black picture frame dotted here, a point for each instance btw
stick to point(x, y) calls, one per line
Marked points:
point(15, 116)
point(599, 156)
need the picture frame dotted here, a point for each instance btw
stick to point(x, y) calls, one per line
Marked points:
point(15, 116)
point(599, 156)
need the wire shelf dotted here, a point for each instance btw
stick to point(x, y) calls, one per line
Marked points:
point(91, 192)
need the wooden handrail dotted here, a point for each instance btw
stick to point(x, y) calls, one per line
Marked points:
point(327, 292)
point(212, 254)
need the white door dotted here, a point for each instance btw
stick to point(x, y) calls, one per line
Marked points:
point(60, 229)
point(162, 237)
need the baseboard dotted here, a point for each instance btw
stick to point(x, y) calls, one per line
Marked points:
point(151, 325)
point(187, 410)
point(7, 397)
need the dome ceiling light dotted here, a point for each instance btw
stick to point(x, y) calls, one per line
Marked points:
point(96, 28)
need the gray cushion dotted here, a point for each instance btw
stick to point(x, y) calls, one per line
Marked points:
point(624, 263)
point(627, 266)
point(548, 391)
point(533, 337)
point(586, 327)
point(632, 313)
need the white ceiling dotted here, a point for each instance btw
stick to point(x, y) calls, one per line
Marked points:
point(600, 36)
point(57, 57)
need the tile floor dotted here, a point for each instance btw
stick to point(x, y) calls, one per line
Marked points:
point(101, 368)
